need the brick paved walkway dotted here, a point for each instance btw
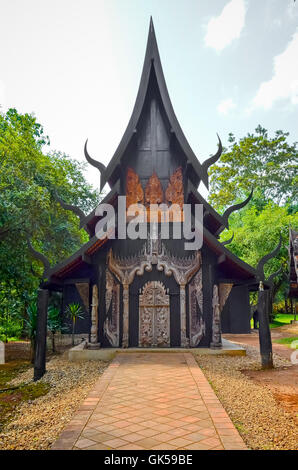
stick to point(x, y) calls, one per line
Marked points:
point(151, 401)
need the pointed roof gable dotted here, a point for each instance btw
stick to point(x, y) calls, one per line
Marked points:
point(152, 60)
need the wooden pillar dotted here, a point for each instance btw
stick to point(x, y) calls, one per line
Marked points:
point(184, 340)
point(41, 334)
point(125, 315)
point(264, 330)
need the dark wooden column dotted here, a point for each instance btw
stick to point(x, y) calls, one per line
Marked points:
point(41, 334)
point(264, 330)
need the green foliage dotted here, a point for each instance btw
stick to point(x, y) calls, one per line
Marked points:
point(269, 166)
point(281, 320)
point(11, 323)
point(29, 176)
point(31, 320)
point(74, 312)
point(54, 320)
point(257, 161)
point(288, 341)
point(54, 323)
point(256, 233)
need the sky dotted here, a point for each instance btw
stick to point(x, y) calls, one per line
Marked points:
point(76, 64)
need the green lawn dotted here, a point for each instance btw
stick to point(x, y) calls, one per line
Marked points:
point(287, 341)
point(281, 319)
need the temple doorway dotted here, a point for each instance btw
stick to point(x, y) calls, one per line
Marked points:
point(154, 315)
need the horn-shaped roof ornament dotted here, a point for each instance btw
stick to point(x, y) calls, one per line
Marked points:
point(273, 275)
point(100, 166)
point(75, 209)
point(234, 208)
point(210, 161)
point(265, 259)
point(226, 242)
point(39, 256)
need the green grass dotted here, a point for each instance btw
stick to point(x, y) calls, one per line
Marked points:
point(287, 341)
point(281, 319)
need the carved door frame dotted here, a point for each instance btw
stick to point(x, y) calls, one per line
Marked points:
point(157, 310)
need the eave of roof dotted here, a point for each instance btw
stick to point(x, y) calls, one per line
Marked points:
point(217, 219)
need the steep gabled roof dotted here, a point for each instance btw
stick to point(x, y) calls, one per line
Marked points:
point(152, 59)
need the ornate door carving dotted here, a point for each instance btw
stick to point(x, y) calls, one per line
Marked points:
point(154, 316)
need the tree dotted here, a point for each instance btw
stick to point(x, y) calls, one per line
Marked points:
point(74, 312)
point(256, 231)
point(256, 161)
point(29, 176)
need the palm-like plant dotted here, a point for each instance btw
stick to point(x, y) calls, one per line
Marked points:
point(54, 323)
point(74, 311)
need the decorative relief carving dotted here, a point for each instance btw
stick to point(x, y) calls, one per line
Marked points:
point(134, 190)
point(216, 326)
point(153, 191)
point(175, 192)
point(154, 315)
point(196, 321)
point(111, 324)
point(182, 269)
point(94, 315)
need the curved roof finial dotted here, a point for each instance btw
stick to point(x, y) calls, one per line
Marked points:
point(100, 166)
point(234, 208)
point(69, 207)
point(210, 161)
point(263, 261)
point(273, 275)
point(226, 242)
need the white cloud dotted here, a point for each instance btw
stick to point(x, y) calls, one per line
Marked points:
point(226, 27)
point(284, 82)
point(225, 106)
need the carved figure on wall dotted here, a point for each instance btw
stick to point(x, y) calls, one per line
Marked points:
point(94, 315)
point(216, 326)
point(111, 323)
point(134, 190)
point(196, 321)
point(153, 191)
point(175, 192)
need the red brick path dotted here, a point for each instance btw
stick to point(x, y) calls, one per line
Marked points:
point(151, 401)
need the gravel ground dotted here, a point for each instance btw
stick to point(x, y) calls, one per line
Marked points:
point(37, 424)
point(260, 419)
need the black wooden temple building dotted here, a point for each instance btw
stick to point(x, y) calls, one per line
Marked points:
point(153, 293)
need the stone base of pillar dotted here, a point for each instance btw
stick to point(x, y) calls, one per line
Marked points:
point(215, 345)
point(93, 345)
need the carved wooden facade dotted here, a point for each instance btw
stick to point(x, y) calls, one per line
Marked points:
point(205, 290)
